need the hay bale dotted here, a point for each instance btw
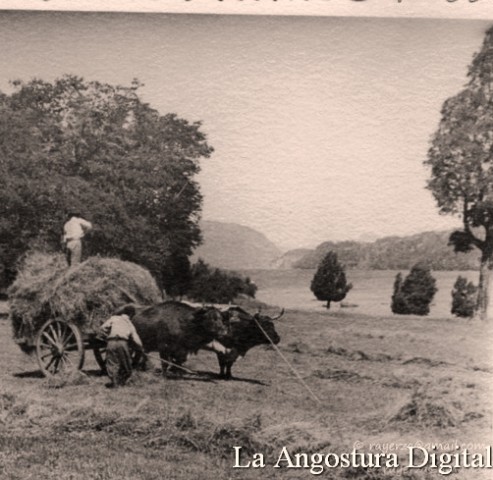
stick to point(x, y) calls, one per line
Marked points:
point(85, 294)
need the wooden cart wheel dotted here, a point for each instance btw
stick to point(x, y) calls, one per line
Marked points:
point(59, 347)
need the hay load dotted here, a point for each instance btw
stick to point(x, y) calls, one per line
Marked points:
point(85, 294)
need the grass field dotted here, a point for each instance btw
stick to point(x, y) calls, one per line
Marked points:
point(381, 381)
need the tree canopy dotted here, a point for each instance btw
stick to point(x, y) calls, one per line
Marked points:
point(98, 149)
point(213, 285)
point(329, 282)
point(460, 158)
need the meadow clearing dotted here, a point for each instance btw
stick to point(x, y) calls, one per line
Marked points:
point(384, 382)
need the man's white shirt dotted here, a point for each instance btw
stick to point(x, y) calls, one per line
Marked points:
point(74, 229)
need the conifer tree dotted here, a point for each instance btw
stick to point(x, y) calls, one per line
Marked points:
point(464, 298)
point(397, 299)
point(329, 282)
point(415, 293)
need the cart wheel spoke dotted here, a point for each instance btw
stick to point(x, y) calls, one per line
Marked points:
point(50, 339)
point(64, 364)
point(69, 339)
point(58, 331)
point(54, 334)
point(67, 359)
point(49, 364)
point(56, 365)
point(63, 332)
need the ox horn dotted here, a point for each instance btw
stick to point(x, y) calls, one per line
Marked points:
point(280, 315)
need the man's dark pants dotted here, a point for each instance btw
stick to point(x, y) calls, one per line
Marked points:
point(118, 361)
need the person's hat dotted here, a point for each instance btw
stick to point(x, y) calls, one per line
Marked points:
point(126, 310)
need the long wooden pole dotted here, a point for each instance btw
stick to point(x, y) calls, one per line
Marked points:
point(171, 364)
point(297, 375)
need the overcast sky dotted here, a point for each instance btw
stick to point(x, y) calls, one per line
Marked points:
point(319, 125)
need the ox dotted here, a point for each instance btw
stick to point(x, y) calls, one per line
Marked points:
point(175, 329)
point(244, 334)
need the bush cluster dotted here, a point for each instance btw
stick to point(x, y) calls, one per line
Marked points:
point(464, 296)
point(414, 294)
point(212, 285)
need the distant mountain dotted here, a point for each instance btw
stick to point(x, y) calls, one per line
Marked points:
point(234, 247)
point(290, 258)
point(394, 253)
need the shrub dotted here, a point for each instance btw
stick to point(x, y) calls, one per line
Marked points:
point(415, 293)
point(464, 296)
point(212, 285)
point(329, 282)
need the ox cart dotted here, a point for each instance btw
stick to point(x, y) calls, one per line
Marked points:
point(56, 312)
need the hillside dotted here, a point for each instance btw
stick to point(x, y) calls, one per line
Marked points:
point(290, 258)
point(393, 253)
point(232, 246)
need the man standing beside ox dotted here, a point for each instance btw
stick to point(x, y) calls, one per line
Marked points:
point(73, 232)
point(120, 336)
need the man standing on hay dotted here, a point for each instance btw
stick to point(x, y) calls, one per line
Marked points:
point(73, 233)
point(120, 331)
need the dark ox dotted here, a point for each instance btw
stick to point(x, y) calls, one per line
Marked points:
point(244, 334)
point(175, 329)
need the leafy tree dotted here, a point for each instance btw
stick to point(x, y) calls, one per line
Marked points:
point(212, 285)
point(460, 158)
point(329, 282)
point(464, 296)
point(98, 149)
point(178, 275)
point(415, 293)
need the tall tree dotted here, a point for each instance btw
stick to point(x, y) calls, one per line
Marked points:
point(329, 282)
point(100, 150)
point(461, 161)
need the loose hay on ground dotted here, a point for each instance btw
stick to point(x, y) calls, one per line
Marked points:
point(69, 378)
point(359, 355)
point(340, 374)
point(217, 439)
point(298, 437)
point(85, 294)
point(424, 411)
